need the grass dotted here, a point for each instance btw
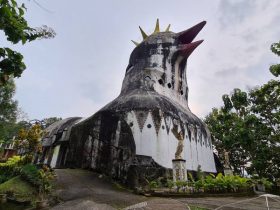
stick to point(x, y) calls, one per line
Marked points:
point(21, 189)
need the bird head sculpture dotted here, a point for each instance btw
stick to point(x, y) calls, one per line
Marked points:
point(158, 63)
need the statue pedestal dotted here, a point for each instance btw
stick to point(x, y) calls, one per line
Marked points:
point(179, 170)
point(228, 172)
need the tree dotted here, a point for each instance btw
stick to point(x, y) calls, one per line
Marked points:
point(16, 30)
point(29, 140)
point(248, 126)
point(232, 129)
point(265, 102)
point(8, 111)
point(275, 69)
point(51, 120)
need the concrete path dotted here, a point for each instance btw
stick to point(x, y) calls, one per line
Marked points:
point(85, 190)
point(234, 203)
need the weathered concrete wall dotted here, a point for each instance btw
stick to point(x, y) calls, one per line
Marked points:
point(130, 139)
point(155, 139)
point(103, 143)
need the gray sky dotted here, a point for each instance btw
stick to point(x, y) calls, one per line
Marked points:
point(82, 68)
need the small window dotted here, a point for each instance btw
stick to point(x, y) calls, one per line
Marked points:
point(149, 125)
point(163, 127)
point(169, 85)
point(131, 124)
point(160, 81)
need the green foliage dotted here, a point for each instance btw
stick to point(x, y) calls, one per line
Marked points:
point(19, 187)
point(232, 127)
point(11, 163)
point(190, 176)
point(8, 106)
point(10, 168)
point(30, 173)
point(4, 178)
point(170, 184)
point(212, 184)
point(152, 184)
point(16, 29)
point(248, 127)
point(45, 177)
point(263, 181)
point(8, 111)
point(222, 183)
point(199, 184)
point(30, 140)
point(275, 69)
point(39, 178)
point(180, 184)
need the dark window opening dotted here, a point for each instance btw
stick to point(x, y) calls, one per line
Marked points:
point(162, 127)
point(160, 81)
point(181, 92)
point(169, 85)
point(149, 125)
point(131, 124)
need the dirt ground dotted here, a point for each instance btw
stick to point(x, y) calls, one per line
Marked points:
point(85, 190)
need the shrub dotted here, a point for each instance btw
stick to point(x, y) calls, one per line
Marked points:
point(264, 182)
point(180, 184)
point(10, 168)
point(222, 183)
point(45, 177)
point(30, 173)
point(170, 184)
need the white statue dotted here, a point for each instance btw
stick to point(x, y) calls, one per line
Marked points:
point(180, 137)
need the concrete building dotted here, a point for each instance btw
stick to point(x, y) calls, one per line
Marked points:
point(55, 142)
point(130, 138)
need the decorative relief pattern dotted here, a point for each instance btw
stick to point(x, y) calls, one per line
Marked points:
point(157, 118)
point(141, 117)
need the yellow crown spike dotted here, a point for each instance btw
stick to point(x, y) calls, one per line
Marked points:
point(167, 29)
point(136, 43)
point(144, 35)
point(157, 27)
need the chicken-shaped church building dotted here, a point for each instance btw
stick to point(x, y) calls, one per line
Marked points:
point(149, 124)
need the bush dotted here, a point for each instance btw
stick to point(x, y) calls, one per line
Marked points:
point(10, 168)
point(170, 184)
point(212, 184)
point(30, 173)
point(263, 181)
point(40, 178)
point(4, 178)
point(222, 183)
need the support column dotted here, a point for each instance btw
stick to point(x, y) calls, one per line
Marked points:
point(179, 170)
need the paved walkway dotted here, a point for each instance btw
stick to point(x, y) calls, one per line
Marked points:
point(235, 203)
point(85, 190)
